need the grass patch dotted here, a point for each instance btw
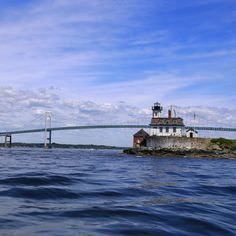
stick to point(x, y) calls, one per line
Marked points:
point(224, 143)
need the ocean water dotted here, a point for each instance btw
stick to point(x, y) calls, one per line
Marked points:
point(104, 192)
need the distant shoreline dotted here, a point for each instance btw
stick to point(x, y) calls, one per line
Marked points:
point(58, 145)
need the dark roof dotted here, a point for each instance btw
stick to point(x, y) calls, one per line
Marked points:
point(167, 121)
point(191, 129)
point(141, 133)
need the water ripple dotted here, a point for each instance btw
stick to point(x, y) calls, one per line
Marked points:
point(78, 192)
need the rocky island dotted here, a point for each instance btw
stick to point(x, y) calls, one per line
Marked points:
point(216, 147)
point(168, 136)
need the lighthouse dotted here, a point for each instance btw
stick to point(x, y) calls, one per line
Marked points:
point(156, 110)
point(165, 126)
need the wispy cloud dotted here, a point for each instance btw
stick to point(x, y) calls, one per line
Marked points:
point(49, 43)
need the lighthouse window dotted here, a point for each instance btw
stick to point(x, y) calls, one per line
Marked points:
point(174, 129)
point(167, 129)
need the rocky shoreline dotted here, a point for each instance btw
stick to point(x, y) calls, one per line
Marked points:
point(207, 147)
point(181, 153)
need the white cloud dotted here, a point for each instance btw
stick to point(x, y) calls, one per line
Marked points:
point(22, 109)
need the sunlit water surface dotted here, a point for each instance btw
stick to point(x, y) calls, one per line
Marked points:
point(104, 192)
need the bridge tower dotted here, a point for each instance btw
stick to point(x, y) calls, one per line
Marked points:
point(47, 130)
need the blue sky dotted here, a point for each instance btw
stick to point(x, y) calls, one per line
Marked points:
point(129, 52)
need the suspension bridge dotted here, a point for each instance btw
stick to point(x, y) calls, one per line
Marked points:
point(48, 131)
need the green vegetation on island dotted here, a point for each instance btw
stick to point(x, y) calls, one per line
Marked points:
point(223, 143)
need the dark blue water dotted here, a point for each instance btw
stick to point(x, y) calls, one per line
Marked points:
point(89, 192)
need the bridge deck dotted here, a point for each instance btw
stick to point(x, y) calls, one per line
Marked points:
point(109, 127)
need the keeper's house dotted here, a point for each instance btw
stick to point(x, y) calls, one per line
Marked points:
point(165, 126)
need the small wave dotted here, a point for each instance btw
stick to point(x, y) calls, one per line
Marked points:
point(219, 190)
point(39, 193)
point(106, 212)
point(207, 225)
point(37, 181)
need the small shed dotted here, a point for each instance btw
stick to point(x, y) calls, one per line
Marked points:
point(191, 133)
point(140, 139)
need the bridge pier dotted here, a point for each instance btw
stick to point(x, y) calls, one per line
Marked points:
point(50, 139)
point(48, 144)
point(8, 140)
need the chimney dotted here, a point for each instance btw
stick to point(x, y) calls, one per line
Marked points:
point(169, 114)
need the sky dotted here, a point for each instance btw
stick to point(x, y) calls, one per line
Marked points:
point(108, 61)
